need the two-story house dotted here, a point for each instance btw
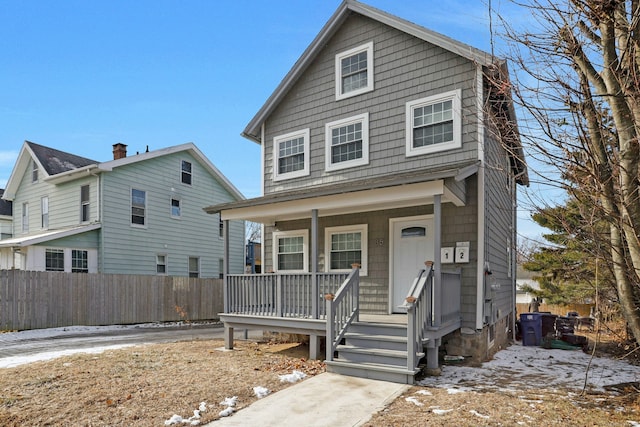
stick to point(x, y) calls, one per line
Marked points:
point(136, 214)
point(385, 146)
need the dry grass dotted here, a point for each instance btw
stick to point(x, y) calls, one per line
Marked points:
point(144, 386)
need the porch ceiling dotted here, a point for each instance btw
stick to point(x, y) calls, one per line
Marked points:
point(391, 197)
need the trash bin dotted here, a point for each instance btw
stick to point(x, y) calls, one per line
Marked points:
point(531, 324)
point(548, 324)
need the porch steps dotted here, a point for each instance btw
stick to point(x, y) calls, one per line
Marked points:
point(375, 351)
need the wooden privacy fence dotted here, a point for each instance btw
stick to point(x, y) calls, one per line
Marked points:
point(35, 299)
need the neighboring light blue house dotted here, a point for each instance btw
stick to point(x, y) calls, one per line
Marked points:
point(137, 214)
point(385, 146)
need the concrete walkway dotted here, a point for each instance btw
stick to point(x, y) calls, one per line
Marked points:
point(321, 401)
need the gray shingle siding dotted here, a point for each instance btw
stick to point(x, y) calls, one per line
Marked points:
point(406, 69)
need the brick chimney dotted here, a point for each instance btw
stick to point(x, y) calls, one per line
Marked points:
point(119, 151)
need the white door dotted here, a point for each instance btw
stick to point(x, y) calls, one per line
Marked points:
point(412, 246)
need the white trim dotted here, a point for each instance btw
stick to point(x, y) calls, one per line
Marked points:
point(44, 200)
point(367, 47)
point(146, 211)
point(455, 96)
point(305, 248)
point(480, 273)
point(304, 134)
point(47, 236)
point(361, 118)
point(363, 229)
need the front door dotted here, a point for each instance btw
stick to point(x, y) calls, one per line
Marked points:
point(412, 245)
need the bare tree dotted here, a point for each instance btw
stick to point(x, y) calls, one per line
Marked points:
point(578, 78)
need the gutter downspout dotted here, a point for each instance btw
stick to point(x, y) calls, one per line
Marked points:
point(480, 276)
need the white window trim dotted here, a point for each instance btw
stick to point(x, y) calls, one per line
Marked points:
point(363, 229)
point(25, 218)
point(455, 96)
point(146, 210)
point(171, 199)
point(304, 133)
point(166, 264)
point(338, 73)
point(44, 210)
point(364, 160)
point(190, 173)
point(305, 244)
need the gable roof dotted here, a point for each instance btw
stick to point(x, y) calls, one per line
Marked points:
point(55, 161)
point(252, 130)
point(60, 166)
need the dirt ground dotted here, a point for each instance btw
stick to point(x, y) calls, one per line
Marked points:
point(147, 385)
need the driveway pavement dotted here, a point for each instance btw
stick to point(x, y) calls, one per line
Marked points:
point(29, 345)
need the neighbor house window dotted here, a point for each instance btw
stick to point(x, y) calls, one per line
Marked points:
point(194, 267)
point(347, 142)
point(292, 155)
point(25, 217)
point(138, 207)
point(221, 268)
point(433, 124)
point(34, 171)
point(354, 71)
point(290, 250)
point(175, 208)
point(161, 264)
point(84, 203)
point(44, 217)
point(54, 259)
point(186, 172)
point(79, 261)
point(345, 246)
point(220, 227)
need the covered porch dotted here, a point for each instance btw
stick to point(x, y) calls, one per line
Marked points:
point(326, 304)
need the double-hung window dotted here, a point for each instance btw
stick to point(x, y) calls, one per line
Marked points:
point(354, 71)
point(25, 217)
point(138, 207)
point(175, 208)
point(345, 246)
point(194, 267)
point(292, 155)
point(161, 264)
point(290, 250)
point(44, 216)
point(84, 203)
point(186, 174)
point(34, 171)
point(347, 142)
point(54, 259)
point(433, 124)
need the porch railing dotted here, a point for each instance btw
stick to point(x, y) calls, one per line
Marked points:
point(280, 295)
point(342, 310)
point(429, 307)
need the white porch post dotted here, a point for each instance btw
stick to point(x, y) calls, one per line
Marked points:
point(432, 350)
point(228, 331)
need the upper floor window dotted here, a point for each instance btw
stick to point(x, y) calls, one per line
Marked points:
point(25, 217)
point(34, 171)
point(138, 207)
point(290, 250)
point(79, 261)
point(186, 176)
point(44, 217)
point(175, 208)
point(354, 71)
point(84, 203)
point(433, 124)
point(194, 267)
point(54, 259)
point(347, 142)
point(345, 246)
point(292, 155)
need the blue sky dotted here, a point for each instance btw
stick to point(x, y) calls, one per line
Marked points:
point(80, 76)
